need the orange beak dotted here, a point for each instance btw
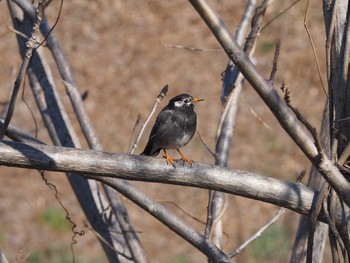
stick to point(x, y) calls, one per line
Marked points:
point(195, 100)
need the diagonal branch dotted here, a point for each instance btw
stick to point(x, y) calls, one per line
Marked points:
point(61, 132)
point(168, 219)
point(232, 83)
point(30, 46)
point(89, 132)
point(269, 94)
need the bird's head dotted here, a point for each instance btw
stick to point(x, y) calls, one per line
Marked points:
point(184, 101)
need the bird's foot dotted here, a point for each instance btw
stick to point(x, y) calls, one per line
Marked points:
point(184, 158)
point(168, 159)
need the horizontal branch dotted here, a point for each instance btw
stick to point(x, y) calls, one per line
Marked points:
point(296, 197)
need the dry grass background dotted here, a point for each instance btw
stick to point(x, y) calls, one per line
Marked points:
point(116, 52)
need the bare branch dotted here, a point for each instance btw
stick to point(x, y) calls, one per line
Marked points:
point(255, 114)
point(295, 197)
point(270, 96)
point(228, 117)
point(280, 14)
point(231, 71)
point(195, 49)
point(62, 133)
point(159, 98)
point(205, 144)
point(168, 219)
point(160, 213)
point(137, 122)
point(299, 251)
point(316, 208)
point(182, 210)
point(258, 233)
point(89, 132)
point(313, 47)
point(3, 258)
point(275, 60)
point(30, 45)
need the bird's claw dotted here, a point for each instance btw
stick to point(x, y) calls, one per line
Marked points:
point(185, 160)
point(168, 159)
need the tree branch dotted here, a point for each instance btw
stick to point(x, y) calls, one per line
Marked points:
point(269, 94)
point(89, 132)
point(30, 45)
point(61, 132)
point(293, 196)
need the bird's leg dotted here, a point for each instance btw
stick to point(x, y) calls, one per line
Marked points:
point(168, 159)
point(184, 158)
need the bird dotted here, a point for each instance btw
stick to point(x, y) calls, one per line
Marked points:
point(174, 128)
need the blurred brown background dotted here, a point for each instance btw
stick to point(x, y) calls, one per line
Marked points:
point(117, 53)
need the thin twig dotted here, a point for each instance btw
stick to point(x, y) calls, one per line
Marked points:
point(102, 239)
point(258, 233)
point(313, 47)
point(161, 95)
point(30, 44)
point(279, 14)
point(182, 210)
point(255, 114)
point(137, 122)
point(195, 49)
point(329, 39)
point(19, 33)
point(275, 60)
point(263, 228)
point(308, 126)
point(205, 144)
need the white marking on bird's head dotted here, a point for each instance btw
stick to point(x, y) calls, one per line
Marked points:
point(185, 101)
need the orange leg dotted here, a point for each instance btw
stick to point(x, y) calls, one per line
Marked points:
point(184, 158)
point(168, 159)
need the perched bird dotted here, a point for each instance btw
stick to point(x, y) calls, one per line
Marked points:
point(174, 128)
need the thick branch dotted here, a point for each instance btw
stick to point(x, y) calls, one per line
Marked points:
point(296, 197)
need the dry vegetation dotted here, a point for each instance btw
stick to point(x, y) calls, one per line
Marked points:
point(116, 52)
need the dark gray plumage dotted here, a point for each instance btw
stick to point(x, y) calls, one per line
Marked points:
point(174, 127)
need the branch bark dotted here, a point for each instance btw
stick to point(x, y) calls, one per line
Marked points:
point(88, 130)
point(278, 107)
point(62, 133)
point(299, 250)
point(231, 88)
point(293, 196)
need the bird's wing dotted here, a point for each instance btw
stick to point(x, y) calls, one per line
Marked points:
point(163, 123)
point(164, 120)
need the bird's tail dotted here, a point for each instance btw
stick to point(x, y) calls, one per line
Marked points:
point(150, 152)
